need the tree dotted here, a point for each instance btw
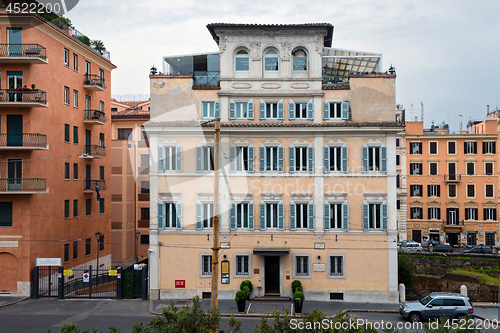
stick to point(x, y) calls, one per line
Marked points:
point(62, 22)
point(406, 271)
point(98, 45)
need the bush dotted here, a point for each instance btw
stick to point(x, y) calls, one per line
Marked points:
point(240, 294)
point(84, 39)
point(247, 291)
point(248, 284)
point(406, 272)
point(296, 284)
point(298, 296)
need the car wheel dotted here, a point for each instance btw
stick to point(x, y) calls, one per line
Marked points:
point(460, 316)
point(415, 317)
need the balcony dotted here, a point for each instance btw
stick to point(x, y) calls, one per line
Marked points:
point(23, 185)
point(94, 117)
point(23, 98)
point(93, 151)
point(90, 185)
point(23, 141)
point(456, 224)
point(452, 178)
point(93, 82)
point(23, 54)
point(206, 78)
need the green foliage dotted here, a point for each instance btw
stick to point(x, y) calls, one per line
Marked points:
point(98, 45)
point(84, 39)
point(296, 284)
point(234, 325)
point(62, 22)
point(69, 328)
point(240, 294)
point(298, 296)
point(247, 283)
point(406, 271)
point(446, 326)
point(247, 291)
point(33, 86)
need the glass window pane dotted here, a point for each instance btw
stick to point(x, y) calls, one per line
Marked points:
point(242, 64)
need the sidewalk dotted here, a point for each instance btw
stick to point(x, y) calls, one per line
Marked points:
point(486, 311)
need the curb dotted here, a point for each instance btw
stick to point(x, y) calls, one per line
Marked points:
point(15, 302)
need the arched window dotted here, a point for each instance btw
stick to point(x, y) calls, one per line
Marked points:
point(271, 61)
point(299, 65)
point(241, 64)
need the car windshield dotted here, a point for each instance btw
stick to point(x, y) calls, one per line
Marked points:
point(425, 300)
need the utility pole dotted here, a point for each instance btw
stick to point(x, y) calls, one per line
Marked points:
point(215, 227)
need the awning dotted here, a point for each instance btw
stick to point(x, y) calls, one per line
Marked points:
point(273, 251)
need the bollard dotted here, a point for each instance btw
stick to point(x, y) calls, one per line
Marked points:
point(402, 293)
point(463, 290)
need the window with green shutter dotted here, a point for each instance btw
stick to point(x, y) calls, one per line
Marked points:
point(5, 214)
point(66, 133)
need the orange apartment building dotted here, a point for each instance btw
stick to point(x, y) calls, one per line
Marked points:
point(129, 198)
point(54, 97)
point(452, 185)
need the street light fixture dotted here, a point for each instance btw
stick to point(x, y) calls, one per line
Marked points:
point(98, 237)
point(137, 233)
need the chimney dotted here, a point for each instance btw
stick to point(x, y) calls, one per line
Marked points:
point(416, 118)
point(487, 109)
point(460, 125)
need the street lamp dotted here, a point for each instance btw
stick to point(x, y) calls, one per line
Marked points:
point(137, 233)
point(98, 237)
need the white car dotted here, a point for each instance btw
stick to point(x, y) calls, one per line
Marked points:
point(411, 247)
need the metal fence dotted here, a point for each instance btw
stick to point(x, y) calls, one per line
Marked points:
point(23, 140)
point(45, 281)
point(203, 77)
point(23, 50)
point(95, 115)
point(93, 80)
point(475, 295)
point(22, 95)
point(88, 283)
point(95, 150)
point(23, 184)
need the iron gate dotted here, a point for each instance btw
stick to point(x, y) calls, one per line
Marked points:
point(45, 281)
point(88, 283)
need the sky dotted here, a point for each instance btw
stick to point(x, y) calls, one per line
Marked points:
point(446, 52)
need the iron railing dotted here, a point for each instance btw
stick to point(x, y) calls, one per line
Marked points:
point(330, 77)
point(94, 150)
point(95, 115)
point(91, 183)
point(23, 184)
point(204, 77)
point(100, 285)
point(23, 50)
point(23, 95)
point(452, 178)
point(93, 80)
point(453, 223)
point(23, 140)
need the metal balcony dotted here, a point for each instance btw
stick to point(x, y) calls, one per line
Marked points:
point(452, 178)
point(23, 141)
point(94, 117)
point(23, 185)
point(456, 223)
point(23, 54)
point(90, 186)
point(93, 151)
point(23, 98)
point(93, 82)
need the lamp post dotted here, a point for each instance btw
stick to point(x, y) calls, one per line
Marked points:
point(98, 237)
point(137, 233)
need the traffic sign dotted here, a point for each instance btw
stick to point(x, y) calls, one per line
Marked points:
point(85, 277)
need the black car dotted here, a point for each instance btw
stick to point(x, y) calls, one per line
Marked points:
point(433, 242)
point(442, 248)
point(479, 249)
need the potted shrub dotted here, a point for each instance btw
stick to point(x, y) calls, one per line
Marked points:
point(246, 285)
point(296, 284)
point(298, 301)
point(33, 86)
point(241, 300)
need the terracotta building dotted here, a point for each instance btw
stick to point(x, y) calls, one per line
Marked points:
point(54, 131)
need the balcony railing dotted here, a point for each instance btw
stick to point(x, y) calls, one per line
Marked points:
point(22, 96)
point(456, 223)
point(202, 77)
point(31, 52)
point(94, 117)
point(90, 184)
point(452, 178)
point(20, 185)
point(91, 151)
point(23, 140)
point(93, 82)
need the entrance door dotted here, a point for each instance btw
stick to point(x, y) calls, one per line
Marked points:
point(14, 81)
point(14, 130)
point(87, 141)
point(417, 236)
point(15, 40)
point(14, 174)
point(453, 238)
point(452, 170)
point(272, 278)
point(87, 177)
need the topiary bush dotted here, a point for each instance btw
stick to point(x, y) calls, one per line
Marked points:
point(247, 283)
point(296, 284)
point(240, 294)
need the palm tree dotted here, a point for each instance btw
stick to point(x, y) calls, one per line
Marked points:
point(98, 45)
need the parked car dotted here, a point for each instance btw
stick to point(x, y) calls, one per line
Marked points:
point(436, 305)
point(404, 242)
point(433, 242)
point(442, 248)
point(479, 249)
point(411, 247)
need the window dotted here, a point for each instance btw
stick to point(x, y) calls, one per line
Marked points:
point(489, 147)
point(66, 133)
point(299, 60)
point(242, 64)
point(210, 109)
point(271, 160)
point(206, 218)
point(433, 168)
point(488, 168)
point(335, 159)
point(271, 215)
point(66, 57)
point(144, 239)
point(471, 193)
point(101, 206)
point(271, 60)
point(433, 190)
point(241, 110)
point(374, 158)
point(470, 168)
point(490, 214)
point(434, 213)
point(66, 252)
point(336, 110)
point(470, 147)
point(169, 158)
point(87, 67)
point(242, 265)
point(87, 102)
point(416, 190)
point(167, 215)
point(241, 216)
point(433, 150)
point(398, 204)
point(145, 214)
point(101, 106)
point(397, 142)
point(66, 171)
point(144, 160)
point(397, 159)
point(75, 62)
point(416, 213)
point(87, 246)
point(489, 191)
point(101, 73)
point(271, 110)
point(206, 265)
point(301, 265)
point(452, 148)
point(114, 109)
point(489, 238)
point(75, 134)
point(415, 168)
point(301, 216)
point(66, 209)
point(471, 238)
point(88, 207)
point(336, 265)
point(75, 98)
point(75, 171)
point(452, 190)
point(375, 216)
point(66, 95)
point(75, 250)
point(471, 213)
point(453, 215)
point(204, 158)
point(301, 158)
point(124, 133)
point(5, 214)
point(335, 215)
point(101, 243)
point(75, 208)
point(241, 158)
point(300, 110)
point(415, 148)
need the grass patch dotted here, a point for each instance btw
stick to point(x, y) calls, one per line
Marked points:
point(483, 278)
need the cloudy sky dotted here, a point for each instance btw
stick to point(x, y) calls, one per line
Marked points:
point(446, 52)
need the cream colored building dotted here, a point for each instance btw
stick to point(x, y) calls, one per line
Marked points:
point(308, 180)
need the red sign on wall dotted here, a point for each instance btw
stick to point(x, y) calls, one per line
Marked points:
point(180, 283)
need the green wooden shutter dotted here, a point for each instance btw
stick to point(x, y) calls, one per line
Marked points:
point(262, 159)
point(281, 216)
point(250, 109)
point(310, 110)
point(262, 110)
point(326, 214)
point(326, 110)
point(345, 110)
point(364, 158)
point(310, 216)
point(199, 159)
point(281, 110)
point(217, 110)
point(232, 110)
point(262, 216)
point(178, 211)
point(250, 216)
point(250, 159)
point(385, 218)
point(310, 159)
point(292, 215)
point(383, 159)
point(291, 111)
point(161, 158)
point(161, 216)
point(366, 221)
point(291, 159)
point(232, 217)
point(178, 156)
point(232, 159)
point(326, 159)
point(199, 216)
point(345, 217)
point(281, 159)
point(345, 159)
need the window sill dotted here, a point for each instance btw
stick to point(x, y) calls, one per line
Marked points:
point(301, 121)
point(336, 276)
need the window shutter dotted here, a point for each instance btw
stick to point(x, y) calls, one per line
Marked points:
point(292, 214)
point(281, 159)
point(281, 110)
point(178, 158)
point(232, 159)
point(475, 147)
point(383, 159)
point(439, 213)
point(465, 147)
point(345, 217)
point(310, 110)
point(199, 159)
point(428, 190)
point(281, 216)
point(250, 109)
point(262, 216)
point(161, 158)
point(250, 159)
point(326, 214)
point(484, 147)
point(366, 222)
point(199, 216)
point(345, 159)
point(310, 216)
point(429, 213)
point(217, 109)
point(420, 148)
point(345, 110)
point(310, 159)
point(262, 159)
point(484, 213)
point(438, 190)
point(232, 218)
point(458, 214)
point(291, 159)
point(494, 213)
point(364, 158)
point(291, 111)
point(161, 216)
point(250, 217)
point(178, 211)
point(326, 159)
point(262, 110)
point(232, 110)
point(494, 147)
point(326, 110)
point(385, 219)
